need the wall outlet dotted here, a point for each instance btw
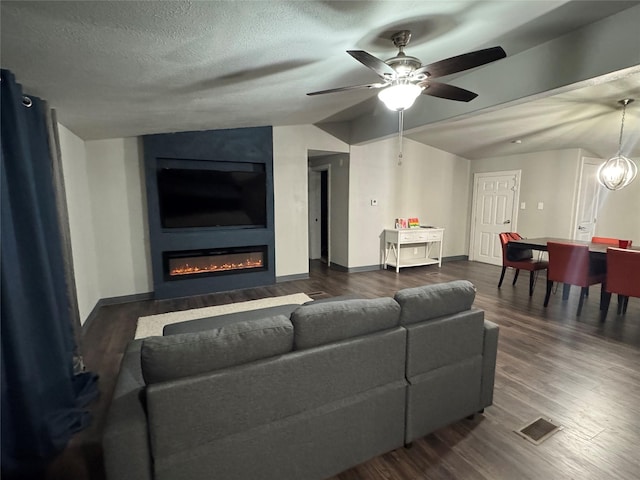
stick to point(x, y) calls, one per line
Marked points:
point(540, 205)
point(523, 206)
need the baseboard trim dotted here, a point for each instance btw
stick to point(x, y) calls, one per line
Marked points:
point(365, 268)
point(288, 278)
point(113, 301)
point(455, 258)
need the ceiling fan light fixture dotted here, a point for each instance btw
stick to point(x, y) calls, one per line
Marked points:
point(400, 96)
point(619, 171)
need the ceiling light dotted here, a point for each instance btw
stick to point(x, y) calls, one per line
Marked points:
point(400, 96)
point(619, 171)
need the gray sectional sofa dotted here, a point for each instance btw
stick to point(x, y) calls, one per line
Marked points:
point(300, 396)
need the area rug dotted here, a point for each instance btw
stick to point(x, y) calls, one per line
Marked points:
point(153, 324)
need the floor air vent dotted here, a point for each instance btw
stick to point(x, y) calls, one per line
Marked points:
point(318, 294)
point(539, 430)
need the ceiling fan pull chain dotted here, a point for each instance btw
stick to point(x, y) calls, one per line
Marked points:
point(400, 128)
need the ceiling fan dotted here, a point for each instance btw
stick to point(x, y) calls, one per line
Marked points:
point(404, 77)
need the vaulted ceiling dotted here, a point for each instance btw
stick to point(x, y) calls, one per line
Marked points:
point(118, 69)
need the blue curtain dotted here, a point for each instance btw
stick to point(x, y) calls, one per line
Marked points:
point(42, 399)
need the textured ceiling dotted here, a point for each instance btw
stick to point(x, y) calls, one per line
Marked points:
point(588, 117)
point(118, 69)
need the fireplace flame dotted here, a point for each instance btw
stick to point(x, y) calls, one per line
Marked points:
point(187, 269)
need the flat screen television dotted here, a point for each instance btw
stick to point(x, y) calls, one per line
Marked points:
point(212, 198)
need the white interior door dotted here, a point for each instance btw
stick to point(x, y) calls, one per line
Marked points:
point(588, 199)
point(495, 201)
point(314, 215)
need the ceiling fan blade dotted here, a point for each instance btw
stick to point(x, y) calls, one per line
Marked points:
point(462, 62)
point(353, 87)
point(374, 63)
point(443, 90)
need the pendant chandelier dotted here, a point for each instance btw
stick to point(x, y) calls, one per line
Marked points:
point(619, 171)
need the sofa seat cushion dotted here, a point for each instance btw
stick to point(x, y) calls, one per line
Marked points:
point(209, 323)
point(433, 301)
point(182, 355)
point(319, 323)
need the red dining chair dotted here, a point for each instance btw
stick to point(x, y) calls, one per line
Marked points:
point(623, 277)
point(570, 264)
point(614, 242)
point(520, 259)
point(605, 240)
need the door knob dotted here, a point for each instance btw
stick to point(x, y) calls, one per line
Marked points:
point(506, 222)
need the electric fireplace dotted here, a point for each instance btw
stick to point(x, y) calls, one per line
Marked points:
point(210, 210)
point(213, 262)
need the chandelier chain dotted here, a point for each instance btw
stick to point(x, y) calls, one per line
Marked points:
point(624, 110)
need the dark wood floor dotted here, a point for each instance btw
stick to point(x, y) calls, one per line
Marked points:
point(582, 373)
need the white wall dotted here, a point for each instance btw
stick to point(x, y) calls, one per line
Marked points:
point(107, 218)
point(119, 216)
point(431, 184)
point(551, 178)
point(547, 177)
point(619, 212)
point(290, 163)
point(83, 245)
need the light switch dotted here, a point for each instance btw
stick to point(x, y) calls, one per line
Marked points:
point(540, 205)
point(523, 205)
point(374, 203)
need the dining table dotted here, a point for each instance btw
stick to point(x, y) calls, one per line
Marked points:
point(596, 250)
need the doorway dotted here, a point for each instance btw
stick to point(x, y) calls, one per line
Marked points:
point(494, 210)
point(588, 199)
point(320, 213)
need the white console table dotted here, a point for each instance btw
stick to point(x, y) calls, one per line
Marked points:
point(396, 239)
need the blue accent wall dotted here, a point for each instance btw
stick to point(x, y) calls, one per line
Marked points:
point(242, 145)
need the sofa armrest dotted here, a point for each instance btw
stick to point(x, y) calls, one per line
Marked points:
point(489, 353)
point(126, 440)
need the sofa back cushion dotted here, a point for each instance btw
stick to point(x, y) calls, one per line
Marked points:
point(444, 341)
point(432, 301)
point(320, 323)
point(245, 403)
point(186, 354)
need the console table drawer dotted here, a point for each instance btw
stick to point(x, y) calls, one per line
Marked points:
point(420, 236)
point(433, 236)
point(409, 237)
